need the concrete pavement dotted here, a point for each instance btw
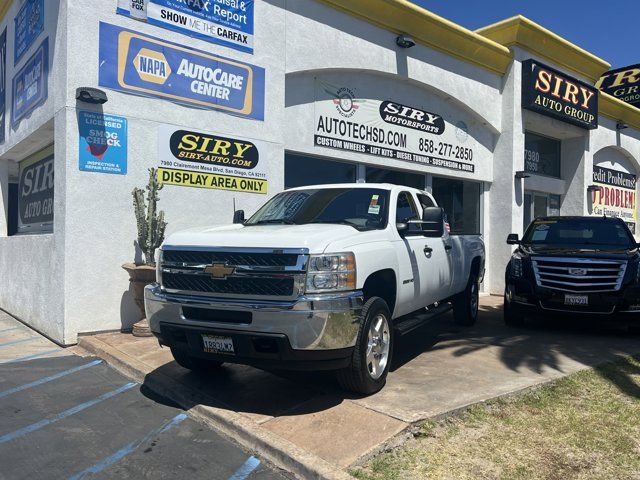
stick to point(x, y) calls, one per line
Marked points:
point(437, 370)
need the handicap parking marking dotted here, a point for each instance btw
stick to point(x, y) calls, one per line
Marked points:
point(10, 329)
point(20, 340)
point(49, 378)
point(245, 469)
point(30, 357)
point(62, 415)
point(127, 449)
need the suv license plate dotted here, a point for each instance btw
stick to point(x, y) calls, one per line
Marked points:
point(576, 299)
point(216, 344)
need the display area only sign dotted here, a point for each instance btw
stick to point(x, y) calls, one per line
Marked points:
point(386, 128)
point(144, 65)
point(191, 158)
point(103, 143)
point(227, 22)
point(555, 94)
point(616, 195)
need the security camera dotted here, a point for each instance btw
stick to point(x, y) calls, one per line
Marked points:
point(91, 95)
point(405, 41)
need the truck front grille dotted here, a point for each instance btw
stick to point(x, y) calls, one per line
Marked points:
point(264, 273)
point(582, 275)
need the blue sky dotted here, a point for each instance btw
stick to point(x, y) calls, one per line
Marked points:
point(608, 29)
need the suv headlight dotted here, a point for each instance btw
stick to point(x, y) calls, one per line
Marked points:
point(516, 266)
point(332, 272)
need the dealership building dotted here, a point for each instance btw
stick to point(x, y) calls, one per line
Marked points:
point(232, 102)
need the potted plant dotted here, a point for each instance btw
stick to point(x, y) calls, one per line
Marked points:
point(151, 227)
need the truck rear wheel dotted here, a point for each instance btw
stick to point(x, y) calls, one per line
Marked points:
point(371, 358)
point(195, 364)
point(465, 304)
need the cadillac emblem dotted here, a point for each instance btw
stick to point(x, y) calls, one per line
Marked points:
point(578, 271)
point(219, 271)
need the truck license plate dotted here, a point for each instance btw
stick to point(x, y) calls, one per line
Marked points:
point(216, 344)
point(576, 299)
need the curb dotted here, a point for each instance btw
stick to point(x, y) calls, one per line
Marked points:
point(247, 433)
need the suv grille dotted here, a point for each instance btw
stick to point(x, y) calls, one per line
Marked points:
point(582, 275)
point(268, 274)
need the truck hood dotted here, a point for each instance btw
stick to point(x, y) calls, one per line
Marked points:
point(315, 237)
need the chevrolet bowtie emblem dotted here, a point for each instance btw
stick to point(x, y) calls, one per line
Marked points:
point(219, 271)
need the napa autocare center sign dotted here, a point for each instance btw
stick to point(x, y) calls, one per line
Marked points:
point(616, 195)
point(190, 158)
point(227, 22)
point(103, 143)
point(386, 128)
point(143, 65)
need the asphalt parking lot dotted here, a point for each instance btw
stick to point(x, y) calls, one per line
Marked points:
point(66, 416)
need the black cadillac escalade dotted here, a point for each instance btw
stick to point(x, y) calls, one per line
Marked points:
point(573, 265)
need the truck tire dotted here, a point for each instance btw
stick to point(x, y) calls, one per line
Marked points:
point(512, 315)
point(195, 364)
point(465, 304)
point(372, 354)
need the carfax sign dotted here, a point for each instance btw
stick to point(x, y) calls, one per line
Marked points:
point(103, 143)
point(227, 22)
point(144, 65)
point(30, 84)
point(29, 23)
point(555, 94)
point(208, 160)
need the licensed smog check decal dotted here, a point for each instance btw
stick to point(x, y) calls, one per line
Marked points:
point(386, 128)
point(227, 22)
point(103, 143)
point(143, 65)
point(208, 160)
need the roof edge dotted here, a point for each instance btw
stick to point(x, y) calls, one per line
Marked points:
point(616, 109)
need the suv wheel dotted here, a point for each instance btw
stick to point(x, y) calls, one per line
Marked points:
point(371, 358)
point(195, 364)
point(465, 304)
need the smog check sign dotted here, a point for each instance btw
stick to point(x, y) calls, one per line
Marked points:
point(144, 65)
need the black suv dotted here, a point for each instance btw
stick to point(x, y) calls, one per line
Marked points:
point(574, 265)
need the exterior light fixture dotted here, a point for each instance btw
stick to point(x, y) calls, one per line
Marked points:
point(91, 95)
point(621, 126)
point(521, 174)
point(405, 41)
point(593, 188)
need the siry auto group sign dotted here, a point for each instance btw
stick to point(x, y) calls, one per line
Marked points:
point(555, 94)
point(622, 83)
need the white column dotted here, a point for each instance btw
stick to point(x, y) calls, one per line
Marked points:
point(4, 197)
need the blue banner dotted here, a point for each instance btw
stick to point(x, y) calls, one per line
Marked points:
point(3, 84)
point(139, 64)
point(103, 143)
point(29, 23)
point(227, 22)
point(30, 84)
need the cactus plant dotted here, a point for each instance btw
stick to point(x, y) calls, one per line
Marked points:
point(150, 222)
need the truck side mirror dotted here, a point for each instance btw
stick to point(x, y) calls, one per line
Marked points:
point(433, 222)
point(513, 239)
point(238, 216)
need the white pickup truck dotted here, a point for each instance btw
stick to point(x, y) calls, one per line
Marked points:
point(319, 278)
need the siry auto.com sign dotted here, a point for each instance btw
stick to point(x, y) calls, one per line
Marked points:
point(555, 94)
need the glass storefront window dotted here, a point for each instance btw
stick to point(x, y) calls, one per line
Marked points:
point(461, 203)
point(539, 205)
point(395, 177)
point(300, 170)
point(541, 155)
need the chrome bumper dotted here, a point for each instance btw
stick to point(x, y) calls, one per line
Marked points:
point(316, 322)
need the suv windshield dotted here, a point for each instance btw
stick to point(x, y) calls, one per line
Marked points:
point(578, 232)
point(361, 208)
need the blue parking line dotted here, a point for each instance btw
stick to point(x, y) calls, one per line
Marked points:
point(127, 449)
point(78, 408)
point(21, 340)
point(245, 470)
point(48, 379)
point(29, 357)
point(9, 329)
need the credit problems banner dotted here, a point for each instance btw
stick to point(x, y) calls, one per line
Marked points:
point(143, 65)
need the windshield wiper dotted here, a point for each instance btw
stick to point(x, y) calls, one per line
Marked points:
point(273, 221)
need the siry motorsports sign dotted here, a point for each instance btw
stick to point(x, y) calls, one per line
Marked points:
point(622, 83)
point(550, 92)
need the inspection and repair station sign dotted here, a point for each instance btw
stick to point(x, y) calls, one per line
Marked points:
point(143, 65)
point(192, 158)
point(103, 143)
point(227, 22)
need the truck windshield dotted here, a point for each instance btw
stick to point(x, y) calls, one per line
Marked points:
point(360, 208)
point(578, 232)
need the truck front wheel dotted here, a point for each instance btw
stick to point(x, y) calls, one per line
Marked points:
point(371, 358)
point(465, 304)
point(185, 360)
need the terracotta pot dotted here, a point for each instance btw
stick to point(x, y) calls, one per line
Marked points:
point(140, 276)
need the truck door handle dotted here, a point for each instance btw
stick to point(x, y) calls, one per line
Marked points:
point(427, 249)
point(448, 247)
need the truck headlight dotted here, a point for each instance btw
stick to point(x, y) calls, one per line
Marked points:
point(332, 272)
point(516, 266)
point(159, 266)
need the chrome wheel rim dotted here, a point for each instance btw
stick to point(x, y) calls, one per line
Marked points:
point(474, 299)
point(378, 344)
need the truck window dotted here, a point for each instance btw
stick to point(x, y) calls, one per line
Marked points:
point(407, 210)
